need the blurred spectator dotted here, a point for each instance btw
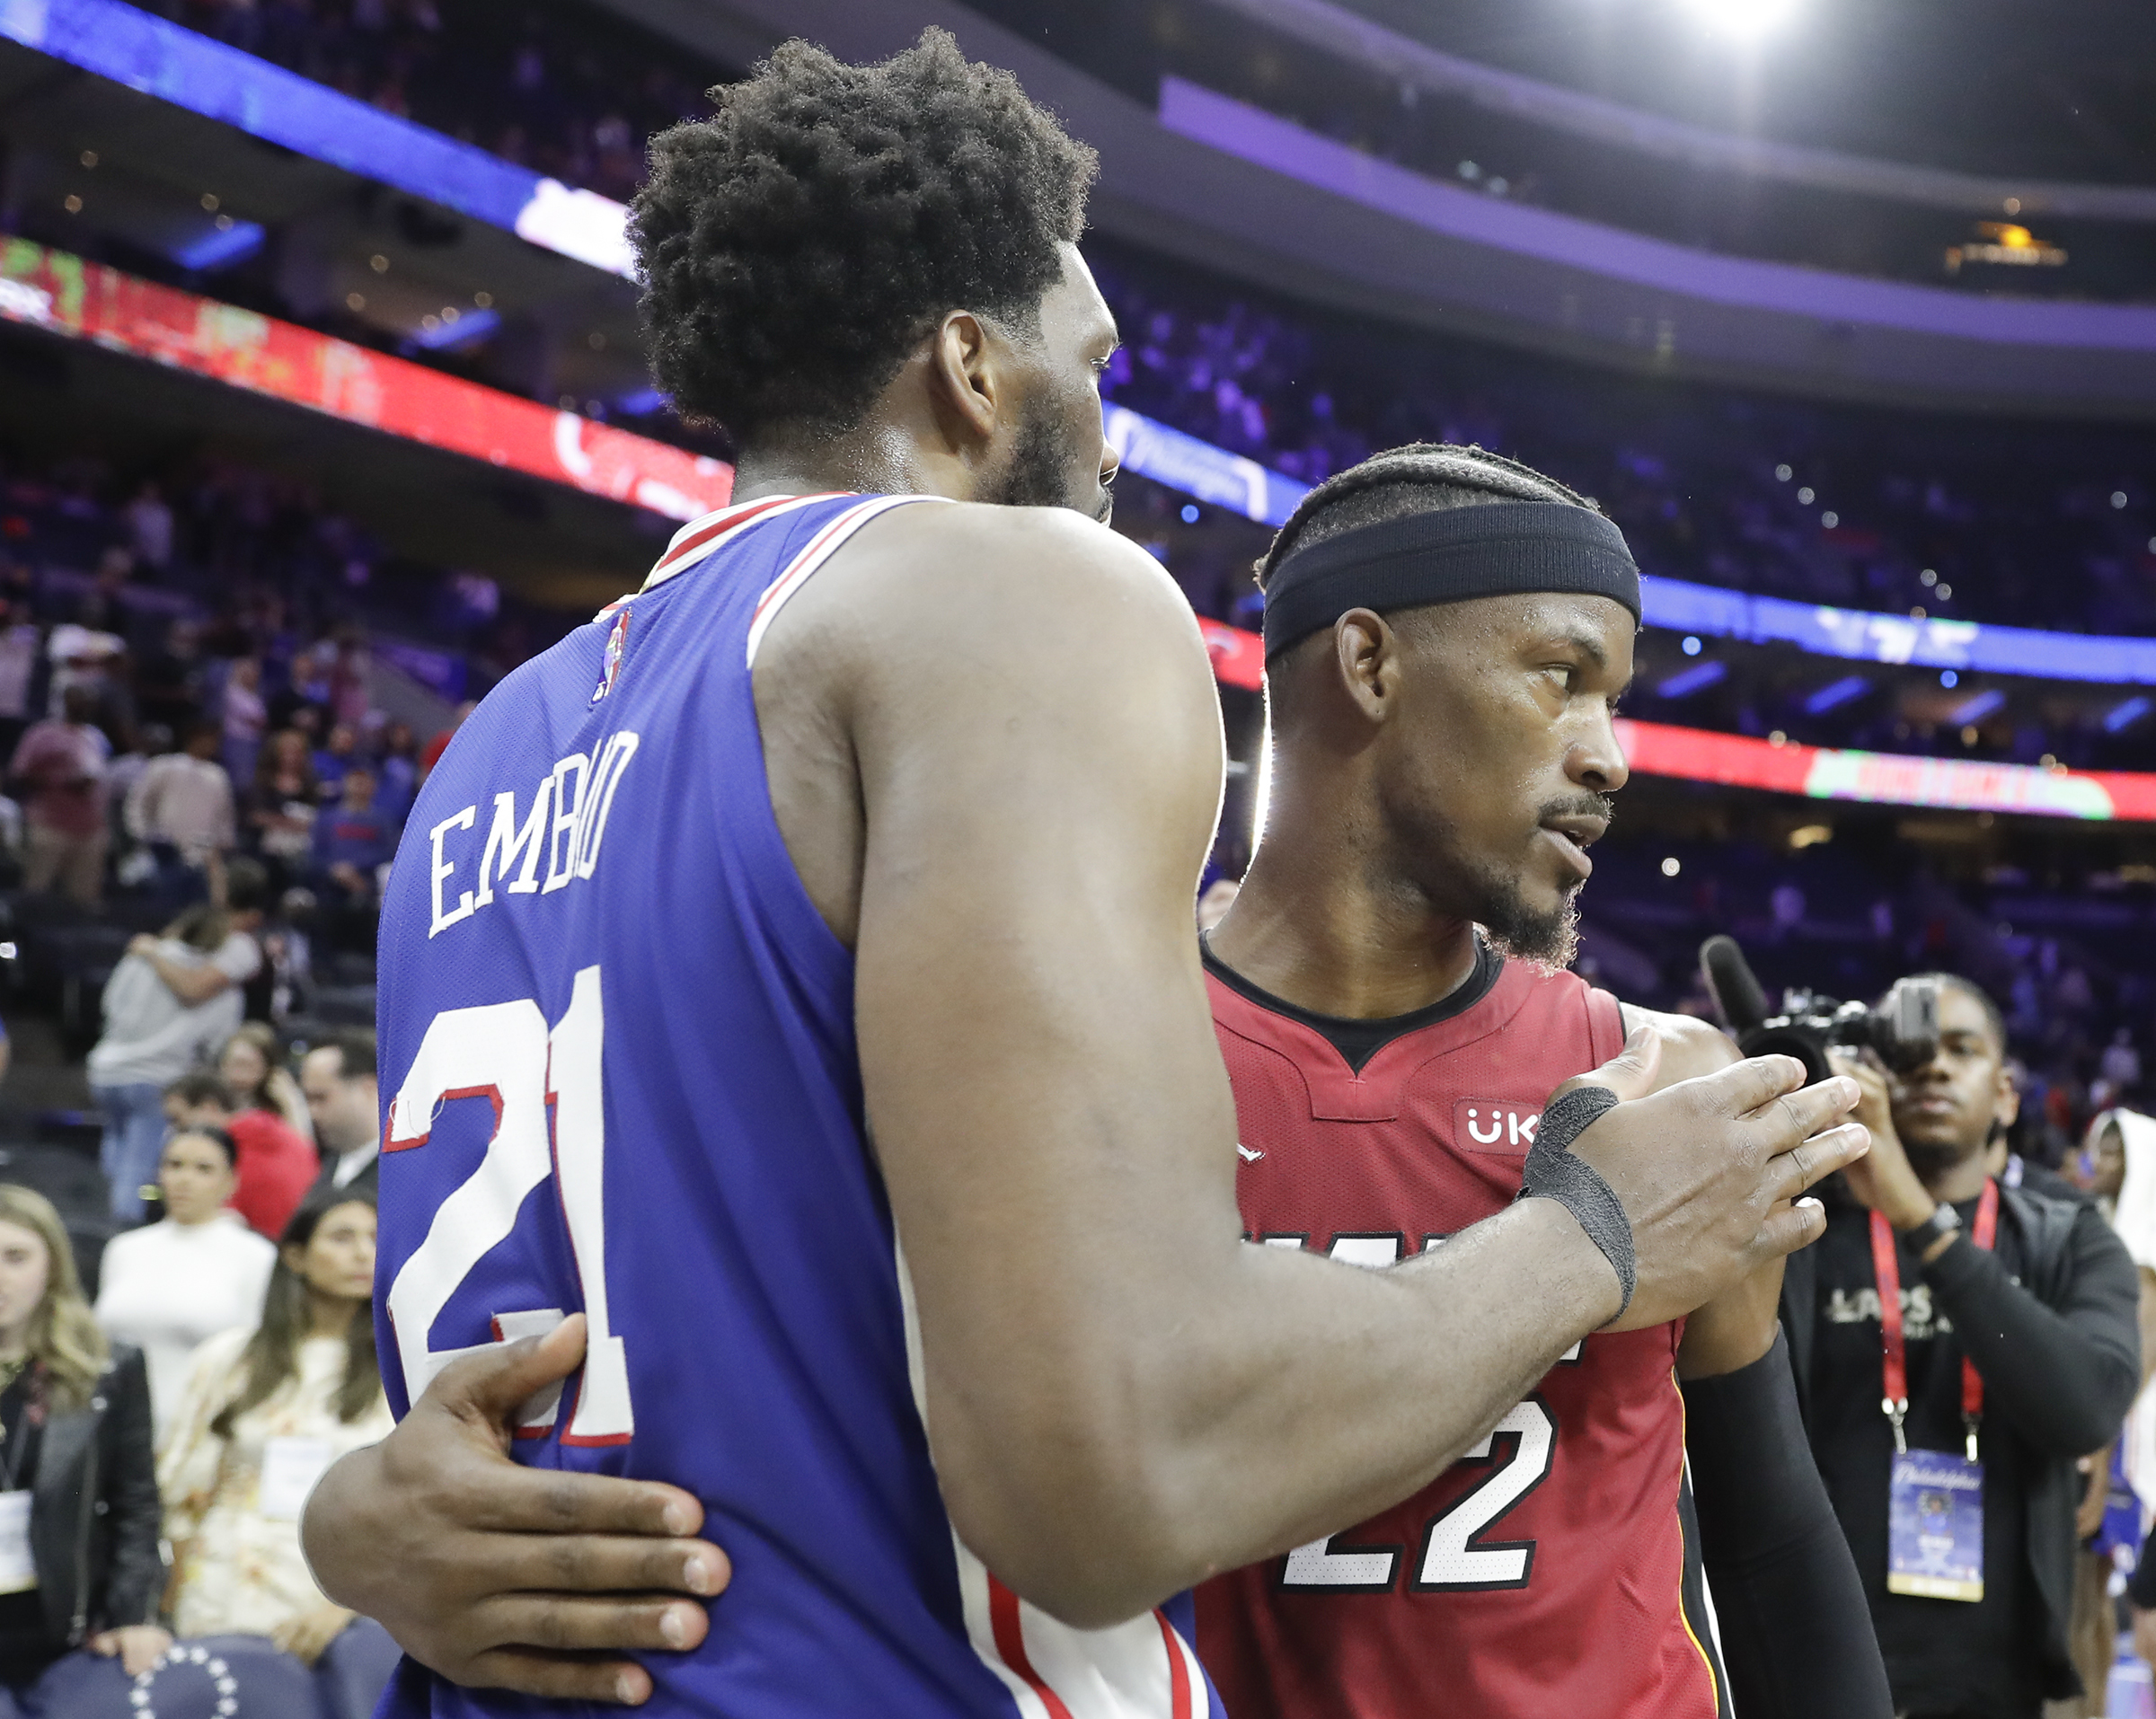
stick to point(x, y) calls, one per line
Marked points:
point(274, 1163)
point(172, 1000)
point(266, 1410)
point(252, 1067)
point(284, 802)
point(440, 743)
point(82, 657)
point(181, 808)
point(150, 527)
point(198, 1271)
point(243, 717)
point(338, 754)
point(76, 1412)
point(1213, 903)
point(399, 770)
point(18, 666)
point(60, 764)
point(345, 1101)
point(353, 839)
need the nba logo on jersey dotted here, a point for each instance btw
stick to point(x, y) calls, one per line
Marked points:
point(610, 662)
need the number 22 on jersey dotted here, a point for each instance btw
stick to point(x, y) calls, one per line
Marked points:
point(505, 1054)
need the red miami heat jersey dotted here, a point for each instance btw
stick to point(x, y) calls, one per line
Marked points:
point(1547, 1575)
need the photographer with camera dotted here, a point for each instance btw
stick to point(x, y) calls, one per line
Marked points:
point(1948, 1431)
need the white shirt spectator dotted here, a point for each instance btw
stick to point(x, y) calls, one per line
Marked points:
point(151, 1037)
point(184, 800)
point(81, 656)
point(167, 1287)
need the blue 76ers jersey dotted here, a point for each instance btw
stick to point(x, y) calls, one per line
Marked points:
point(618, 1056)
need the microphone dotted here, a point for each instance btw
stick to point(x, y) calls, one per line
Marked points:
point(1737, 996)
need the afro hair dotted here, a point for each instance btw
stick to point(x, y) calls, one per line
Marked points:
point(798, 245)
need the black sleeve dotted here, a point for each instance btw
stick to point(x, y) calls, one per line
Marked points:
point(1796, 1633)
point(2064, 1376)
point(2140, 1587)
point(134, 1584)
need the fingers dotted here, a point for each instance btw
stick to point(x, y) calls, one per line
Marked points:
point(1821, 1155)
point(615, 1623)
point(1810, 1110)
point(576, 1563)
point(507, 1498)
point(1631, 1073)
point(1796, 1226)
point(613, 1682)
point(493, 1385)
point(1745, 1087)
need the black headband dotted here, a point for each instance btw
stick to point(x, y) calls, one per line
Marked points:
point(1497, 549)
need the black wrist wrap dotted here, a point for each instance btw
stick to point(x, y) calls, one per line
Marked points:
point(1553, 1173)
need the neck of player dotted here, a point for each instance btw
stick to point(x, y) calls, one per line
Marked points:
point(1322, 923)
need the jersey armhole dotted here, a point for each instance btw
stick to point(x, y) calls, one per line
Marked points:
point(1605, 1026)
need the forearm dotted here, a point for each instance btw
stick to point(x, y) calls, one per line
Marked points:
point(1796, 1631)
point(191, 985)
point(2060, 1381)
point(1304, 1396)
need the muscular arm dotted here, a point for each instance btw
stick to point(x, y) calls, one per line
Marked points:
point(1039, 800)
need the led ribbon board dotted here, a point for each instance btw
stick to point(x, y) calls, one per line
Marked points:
point(1887, 779)
point(62, 294)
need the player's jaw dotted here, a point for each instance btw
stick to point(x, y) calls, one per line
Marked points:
point(1056, 453)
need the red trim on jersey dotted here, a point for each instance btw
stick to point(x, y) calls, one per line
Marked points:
point(1010, 1644)
point(776, 589)
point(489, 1092)
point(1179, 1673)
point(725, 523)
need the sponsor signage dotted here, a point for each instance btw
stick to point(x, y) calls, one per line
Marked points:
point(60, 292)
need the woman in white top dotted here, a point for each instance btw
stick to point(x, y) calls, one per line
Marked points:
point(265, 1411)
point(167, 1286)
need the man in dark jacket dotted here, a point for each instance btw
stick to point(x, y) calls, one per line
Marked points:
point(2016, 1352)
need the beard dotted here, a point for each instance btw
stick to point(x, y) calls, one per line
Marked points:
point(1037, 474)
point(1547, 939)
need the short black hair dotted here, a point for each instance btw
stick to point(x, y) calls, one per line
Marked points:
point(795, 246)
point(202, 1086)
point(1993, 1016)
point(217, 1137)
point(246, 884)
point(355, 1048)
point(1421, 476)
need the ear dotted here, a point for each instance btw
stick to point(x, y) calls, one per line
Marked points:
point(1367, 654)
point(294, 1257)
point(968, 376)
point(2007, 1105)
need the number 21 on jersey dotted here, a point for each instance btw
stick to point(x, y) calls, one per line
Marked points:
point(505, 1054)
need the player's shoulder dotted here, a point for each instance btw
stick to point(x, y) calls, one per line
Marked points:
point(959, 566)
point(1691, 1046)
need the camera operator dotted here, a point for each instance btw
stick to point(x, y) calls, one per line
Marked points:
point(2015, 1352)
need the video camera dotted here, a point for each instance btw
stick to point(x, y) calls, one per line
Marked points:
point(1904, 1030)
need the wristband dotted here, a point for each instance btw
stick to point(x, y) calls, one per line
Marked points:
point(1944, 1221)
point(1553, 1173)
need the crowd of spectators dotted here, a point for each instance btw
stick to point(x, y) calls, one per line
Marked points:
point(189, 683)
point(563, 90)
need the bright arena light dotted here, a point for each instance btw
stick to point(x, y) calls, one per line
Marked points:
point(1742, 17)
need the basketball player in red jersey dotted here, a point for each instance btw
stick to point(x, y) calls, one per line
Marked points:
point(991, 755)
point(1445, 635)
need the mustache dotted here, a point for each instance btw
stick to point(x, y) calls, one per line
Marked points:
point(1585, 804)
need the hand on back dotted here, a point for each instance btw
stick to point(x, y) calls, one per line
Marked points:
point(1710, 1169)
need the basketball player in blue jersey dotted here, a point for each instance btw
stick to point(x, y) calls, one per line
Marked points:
point(788, 1006)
